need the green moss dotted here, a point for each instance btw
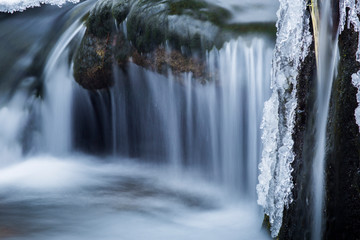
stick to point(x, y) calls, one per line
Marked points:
point(188, 26)
point(120, 10)
point(100, 20)
point(147, 25)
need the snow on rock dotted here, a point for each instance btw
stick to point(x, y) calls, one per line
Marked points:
point(12, 6)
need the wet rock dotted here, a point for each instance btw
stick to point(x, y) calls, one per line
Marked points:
point(157, 35)
point(296, 220)
point(342, 201)
point(342, 209)
point(120, 10)
point(100, 20)
point(180, 23)
point(93, 62)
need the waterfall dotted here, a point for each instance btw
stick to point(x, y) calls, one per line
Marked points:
point(13, 118)
point(212, 127)
point(175, 155)
point(326, 71)
point(56, 111)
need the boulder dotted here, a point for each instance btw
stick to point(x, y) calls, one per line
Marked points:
point(157, 35)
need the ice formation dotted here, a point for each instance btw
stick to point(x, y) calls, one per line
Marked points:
point(12, 6)
point(353, 19)
point(292, 45)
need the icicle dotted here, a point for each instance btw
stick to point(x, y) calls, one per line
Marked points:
point(275, 181)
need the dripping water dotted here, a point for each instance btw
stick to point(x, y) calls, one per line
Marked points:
point(326, 73)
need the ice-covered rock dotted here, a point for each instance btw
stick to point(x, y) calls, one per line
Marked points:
point(292, 46)
point(12, 6)
point(353, 19)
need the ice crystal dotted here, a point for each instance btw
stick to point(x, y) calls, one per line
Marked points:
point(292, 45)
point(351, 8)
point(12, 6)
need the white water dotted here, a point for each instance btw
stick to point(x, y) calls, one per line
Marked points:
point(92, 199)
point(82, 198)
point(56, 110)
point(13, 119)
point(182, 158)
point(213, 128)
point(292, 44)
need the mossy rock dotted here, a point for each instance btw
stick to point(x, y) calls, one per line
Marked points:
point(120, 10)
point(100, 20)
point(92, 63)
point(120, 31)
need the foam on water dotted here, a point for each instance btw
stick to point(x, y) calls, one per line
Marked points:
point(96, 200)
point(13, 119)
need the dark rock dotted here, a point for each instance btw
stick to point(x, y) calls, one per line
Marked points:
point(93, 62)
point(342, 202)
point(342, 210)
point(100, 20)
point(120, 10)
point(194, 24)
point(139, 31)
point(297, 218)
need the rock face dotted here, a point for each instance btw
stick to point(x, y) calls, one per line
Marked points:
point(296, 221)
point(157, 35)
point(342, 177)
point(343, 155)
point(123, 31)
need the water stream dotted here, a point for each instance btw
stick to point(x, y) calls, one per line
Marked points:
point(326, 73)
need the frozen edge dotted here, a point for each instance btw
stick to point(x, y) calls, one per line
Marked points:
point(11, 6)
point(292, 46)
point(353, 19)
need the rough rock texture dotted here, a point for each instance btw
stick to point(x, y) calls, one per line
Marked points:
point(157, 35)
point(343, 158)
point(296, 221)
point(342, 203)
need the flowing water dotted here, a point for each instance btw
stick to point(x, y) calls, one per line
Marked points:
point(326, 74)
point(153, 157)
